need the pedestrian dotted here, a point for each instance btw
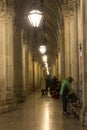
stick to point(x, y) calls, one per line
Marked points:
point(64, 92)
point(54, 83)
point(43, 86)
point(47, 79)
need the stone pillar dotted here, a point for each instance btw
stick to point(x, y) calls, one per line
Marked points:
point(39, 74)
point(30, 72)
point(79, 34)
point(53, 70)
point(71, 42)
point(32, 67)
point(56, 65)
point(75, 69)
point(27, 87)
point(67, 39)
point(62, 53)
point(59, 65)
point(36, 74)
point(19, 65)
point(7, 101)
point(25, 61)
point(3, 74)
point(74, 59)
point(84, 111)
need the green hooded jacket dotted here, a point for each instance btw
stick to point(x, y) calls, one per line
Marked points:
point(64, 84)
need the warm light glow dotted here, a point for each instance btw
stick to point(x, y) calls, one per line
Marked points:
point(42, 49)
point(48, 72)
point(35, 17)
point(46, 65)
point(47, 118)
point(44, 58)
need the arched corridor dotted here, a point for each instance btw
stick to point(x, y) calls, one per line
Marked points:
point(62, 30)
point(39, 113)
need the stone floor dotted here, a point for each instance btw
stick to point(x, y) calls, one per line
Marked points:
point(39, 113)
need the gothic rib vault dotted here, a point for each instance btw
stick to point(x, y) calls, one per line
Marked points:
point(52, 11)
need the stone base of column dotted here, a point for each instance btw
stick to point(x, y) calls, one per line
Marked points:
point(8, 105)
point(20, 98)
point(11, 104)
point(84, 118)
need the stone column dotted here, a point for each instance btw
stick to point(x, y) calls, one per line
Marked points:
point(75, 49)
point(36, 74)
point(7, 101)
point(27, 87)
point(18, 66)
point(84, 111)
point(3, 74)
point(71, 40)
point(30, 72)
point(59, 65)
point(25, 61)
point(32, 68)
point(9, 18)
point(74, 59)
point(79, 34)
point(56, 66)
point(62, 53)
point(67, 39)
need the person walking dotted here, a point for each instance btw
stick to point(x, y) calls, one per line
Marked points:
point(64, 91)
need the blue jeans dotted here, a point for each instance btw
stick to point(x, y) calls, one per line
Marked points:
point(64, 103)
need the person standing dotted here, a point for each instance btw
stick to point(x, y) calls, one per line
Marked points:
point(43, 86)
point(47, 83)
point(54, 85)
point(64, 91)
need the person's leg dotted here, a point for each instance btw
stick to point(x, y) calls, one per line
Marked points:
point(46, 87)
point(64, 103)
point(42, 92)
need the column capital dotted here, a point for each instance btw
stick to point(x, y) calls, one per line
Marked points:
point(68, 9)
point(5, 18)
point(6, 15)
point(77, 2)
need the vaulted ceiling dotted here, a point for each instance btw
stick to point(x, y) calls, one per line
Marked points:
point(52, 11)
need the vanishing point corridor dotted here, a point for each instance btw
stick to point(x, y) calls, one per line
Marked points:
point(40, 40)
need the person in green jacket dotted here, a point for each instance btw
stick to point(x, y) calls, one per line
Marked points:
point(64, 91)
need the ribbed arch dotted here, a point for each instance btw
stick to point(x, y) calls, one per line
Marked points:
point(53, 17)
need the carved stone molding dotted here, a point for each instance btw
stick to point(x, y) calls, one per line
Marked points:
point(69, 5)
point(10, 2)
point(7, 18)
point(2, 6)
point(6, 13)
point(68, 10)
point(77, 2)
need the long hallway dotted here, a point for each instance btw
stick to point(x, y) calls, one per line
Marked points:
point(39, 113)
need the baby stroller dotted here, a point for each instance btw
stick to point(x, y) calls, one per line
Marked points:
point(74, 105)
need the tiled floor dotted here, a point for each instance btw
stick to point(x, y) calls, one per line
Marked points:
point(39, 113)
